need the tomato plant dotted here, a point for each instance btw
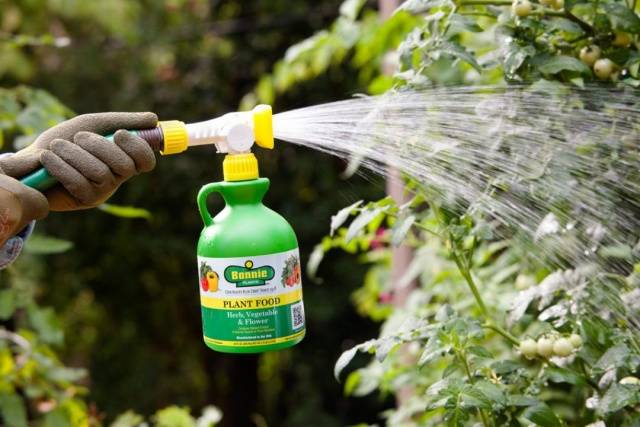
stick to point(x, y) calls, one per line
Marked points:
point(491, 335)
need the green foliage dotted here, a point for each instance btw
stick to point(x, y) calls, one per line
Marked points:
point(450, 352)
point(364, 42)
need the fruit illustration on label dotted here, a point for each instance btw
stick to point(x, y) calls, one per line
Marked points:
point(212, 281)
point(208, 278)
point(291, 271)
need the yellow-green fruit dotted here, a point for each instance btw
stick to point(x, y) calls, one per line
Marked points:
point(622, 40)
point(212, 280)
point(545, 347)
point(562, 347)
point(524, 281)
point(521, 8)
point(575, 340)
point(603, 68)
point(590, 54)
point(528, 348)
point(558, 4)
point(630, 380)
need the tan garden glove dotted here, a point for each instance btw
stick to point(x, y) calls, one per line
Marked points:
point(19, 205)
point(88, 167)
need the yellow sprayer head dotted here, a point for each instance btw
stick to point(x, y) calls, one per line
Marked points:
point(263, 126)
point(232, 133)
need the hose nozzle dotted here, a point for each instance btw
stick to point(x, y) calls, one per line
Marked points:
point(232, 133)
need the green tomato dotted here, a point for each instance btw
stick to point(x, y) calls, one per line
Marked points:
point(562, 347)
point(528, 348)
point(545, 347)
point(575, 340)
point(558, 4)
point(524, 281)
point(630, 380)
point(521, 8)
point(622, 40)
point(590, 54)
point(603, 68)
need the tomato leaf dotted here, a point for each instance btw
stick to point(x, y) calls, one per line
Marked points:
point(522, 400)
point(347, 356)
point(13, 410)
point(562, 375)
point(615, 357)
point(421, 6)
point(44, 321)
point(515, 57)
point(338, 219)
point(556, 64)
point(493, 393)
point(622, 18)
point(459, 52)
point(461, 23)
point(361, 221)
point(351, 8)
point(400, 229)
point(542, 415)
point(7, 303)
point(314, 262)
point(480, 351)
point(619, 396)
point(39, 244)
point(563, 24)
point(125, 211)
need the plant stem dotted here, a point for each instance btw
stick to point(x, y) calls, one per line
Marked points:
point(463, 359)
point(547, 12)
point(571, 17)
point(485, 420)
point(465, 270)
point(485, 3)
point(586, 375)
point(477, 14)
point(502, 332)
point(470, 282)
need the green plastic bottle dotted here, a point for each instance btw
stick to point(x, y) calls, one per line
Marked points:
point(249, 267)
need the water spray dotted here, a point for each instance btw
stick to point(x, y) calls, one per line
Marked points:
point(248, 257)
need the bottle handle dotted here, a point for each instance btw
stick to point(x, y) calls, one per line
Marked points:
point(203, 195)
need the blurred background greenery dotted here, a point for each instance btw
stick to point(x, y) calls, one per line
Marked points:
point(123, 301)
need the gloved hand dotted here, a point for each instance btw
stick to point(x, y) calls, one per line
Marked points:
point(88, 167)
point(19, 205)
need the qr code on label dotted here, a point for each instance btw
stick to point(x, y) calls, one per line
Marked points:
point(297, 315)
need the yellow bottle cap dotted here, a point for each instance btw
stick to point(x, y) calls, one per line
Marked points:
point(176, 138)
point(240, 167)
point(263, 126)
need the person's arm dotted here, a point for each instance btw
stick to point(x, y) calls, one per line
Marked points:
point(20, 206)
point(88, 167)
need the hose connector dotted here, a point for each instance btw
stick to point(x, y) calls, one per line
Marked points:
point(175, 135)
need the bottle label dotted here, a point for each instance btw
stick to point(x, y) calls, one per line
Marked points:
point(252, 301)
